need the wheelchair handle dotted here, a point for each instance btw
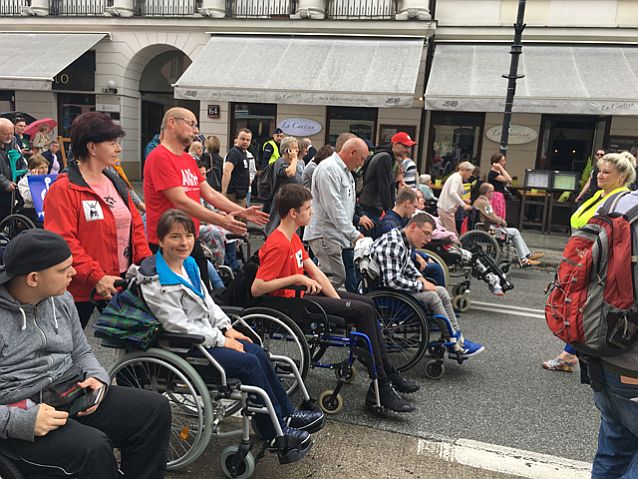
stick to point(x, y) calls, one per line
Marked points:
point(96, 299)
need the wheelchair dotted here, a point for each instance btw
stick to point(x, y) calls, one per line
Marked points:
point(202, 396)
point(492, 239)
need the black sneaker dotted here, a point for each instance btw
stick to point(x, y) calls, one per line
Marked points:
point(292, 439)
point(311, 421)
point(403, 385)
point(389, 398)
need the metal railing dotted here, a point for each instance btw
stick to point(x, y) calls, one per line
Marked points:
point(78, 7)
point(13, 7)
point(166, 8)
point(361, 9)
point(260, 8)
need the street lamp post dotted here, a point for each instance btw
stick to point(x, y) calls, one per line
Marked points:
point(517, 49)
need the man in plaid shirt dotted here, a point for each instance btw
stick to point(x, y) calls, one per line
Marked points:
point(392, 252)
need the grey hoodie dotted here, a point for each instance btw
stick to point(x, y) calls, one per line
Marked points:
point(37, 345)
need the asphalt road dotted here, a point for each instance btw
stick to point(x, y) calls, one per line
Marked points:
point(502, 396)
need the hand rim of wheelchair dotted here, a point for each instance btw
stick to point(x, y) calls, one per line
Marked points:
point(194, 384)
point(15, 217)
point(437, 258)
point(486, 241)
point(418, 312)
point(284, 321)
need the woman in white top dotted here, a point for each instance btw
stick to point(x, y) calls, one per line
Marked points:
point(451, 197)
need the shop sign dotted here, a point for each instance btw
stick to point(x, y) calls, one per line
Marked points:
point(299, 126)
point(519, 135)
point(78, 76)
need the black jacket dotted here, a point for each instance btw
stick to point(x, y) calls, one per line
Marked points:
point(379, 192)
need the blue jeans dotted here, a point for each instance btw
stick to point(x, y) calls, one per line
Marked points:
point(616, 456)
point(373, 233)
point(215, 280)
point(432, 270)
point(252, 367)
point(352, 275)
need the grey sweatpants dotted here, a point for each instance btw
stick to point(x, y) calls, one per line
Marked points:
point(439, 302)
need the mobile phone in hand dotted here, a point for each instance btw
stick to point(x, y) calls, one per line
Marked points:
point(86, 401)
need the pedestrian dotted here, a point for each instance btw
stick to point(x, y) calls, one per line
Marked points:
point(90, 207)
point(425, 186)
point(42, 139)
point(310, 154)
point(324, 152)
point(270, 149)
point(451, 196)
point(23, 141)
point(196, 149)
point(591, 185)
point(38, 165)
point(53, 157)
point(499, 178)
point(7, 185)
point(410, 174)
point(213, 161)
point(236, 171)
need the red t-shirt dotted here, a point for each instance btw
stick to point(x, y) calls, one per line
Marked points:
point(280, 257)
point(164, 170)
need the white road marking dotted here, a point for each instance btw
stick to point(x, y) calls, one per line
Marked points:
point(507, 309)
point(508, 306)
point(506, 460)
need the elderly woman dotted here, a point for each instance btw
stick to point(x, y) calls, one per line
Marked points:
point(91, 208)
point(425, 187)
point(616, 171)
point(288, 169)
point(175, 294)
point(213, 161)
point(451, 197)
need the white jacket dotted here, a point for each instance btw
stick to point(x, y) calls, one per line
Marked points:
point(179, 309)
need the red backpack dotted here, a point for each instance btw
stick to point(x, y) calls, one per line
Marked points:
point(591, 303)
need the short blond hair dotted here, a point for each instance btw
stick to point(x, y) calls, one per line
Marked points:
point(624, 163)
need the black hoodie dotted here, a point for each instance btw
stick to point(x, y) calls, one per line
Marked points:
point(379, 192)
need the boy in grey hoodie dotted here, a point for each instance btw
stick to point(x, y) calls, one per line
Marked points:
point(41, 339)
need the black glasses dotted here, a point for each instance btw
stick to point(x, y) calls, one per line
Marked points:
point(191, 123)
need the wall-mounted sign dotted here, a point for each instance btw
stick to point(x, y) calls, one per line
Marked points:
point(213, 111)
point(519, 135)
point(299, 126)
point(78, 76)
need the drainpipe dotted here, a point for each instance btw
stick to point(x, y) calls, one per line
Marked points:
point(517, 49)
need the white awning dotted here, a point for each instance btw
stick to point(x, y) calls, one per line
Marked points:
point(37, 57)
point(311, 71)
point(592, 80)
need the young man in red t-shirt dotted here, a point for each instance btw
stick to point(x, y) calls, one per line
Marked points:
point(283, 262)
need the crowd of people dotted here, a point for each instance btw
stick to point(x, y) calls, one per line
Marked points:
point(320, 204)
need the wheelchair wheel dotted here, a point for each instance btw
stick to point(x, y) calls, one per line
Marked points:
point(8, 470)
point(405, 327)
point(330, 407)
point(485, 240)
point(437, 259)
point(434, 369)
point(166, 373)
point(14, 224)
point(280, 335)
point(243, 470)
point(461, 302)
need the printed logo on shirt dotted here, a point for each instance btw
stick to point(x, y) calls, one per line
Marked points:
point(92, 210)
point(189, 179)
point(299, 258)
point(109, 200)
point(245, 163)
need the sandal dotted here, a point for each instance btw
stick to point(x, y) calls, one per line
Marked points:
point(558, 364)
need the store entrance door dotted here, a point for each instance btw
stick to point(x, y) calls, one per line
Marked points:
point(568, 141)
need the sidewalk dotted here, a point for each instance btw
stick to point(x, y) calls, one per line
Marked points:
point(552, 245)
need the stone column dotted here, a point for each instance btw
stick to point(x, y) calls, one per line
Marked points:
point(413, 10)
point(38, 8)
point(120, 8)
point(213, 8)
point(314, 9)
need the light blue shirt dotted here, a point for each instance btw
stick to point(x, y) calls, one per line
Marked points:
point(333, 202)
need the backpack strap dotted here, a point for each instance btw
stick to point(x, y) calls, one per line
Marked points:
point(609, 205)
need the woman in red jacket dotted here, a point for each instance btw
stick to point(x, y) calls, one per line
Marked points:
point(92, 209)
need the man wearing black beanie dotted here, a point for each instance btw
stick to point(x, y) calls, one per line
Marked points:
point(59, 415)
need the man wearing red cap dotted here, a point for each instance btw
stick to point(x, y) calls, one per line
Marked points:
point(379, 189)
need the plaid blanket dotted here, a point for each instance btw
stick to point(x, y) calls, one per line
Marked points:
point(127, 323)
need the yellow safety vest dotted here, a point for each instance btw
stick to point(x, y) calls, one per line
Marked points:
point(275, 155)
point(588, 209)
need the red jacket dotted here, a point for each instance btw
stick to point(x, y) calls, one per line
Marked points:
point(93, 243)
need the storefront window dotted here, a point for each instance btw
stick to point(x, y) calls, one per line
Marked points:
point(70, 106)
point(360, 121)
point(260, 118)
point(7, 100)
point(454, 137)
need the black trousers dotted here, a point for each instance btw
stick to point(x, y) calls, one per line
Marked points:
point(134, 420)
point(361, 312)
point(198, 255)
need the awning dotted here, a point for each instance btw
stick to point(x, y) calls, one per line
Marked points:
point(310, 71)
point(592, 80)
point(37, 57)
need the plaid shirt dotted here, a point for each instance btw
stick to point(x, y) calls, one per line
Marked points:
point(392, 253)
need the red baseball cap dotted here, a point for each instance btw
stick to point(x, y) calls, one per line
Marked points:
point(403, 138)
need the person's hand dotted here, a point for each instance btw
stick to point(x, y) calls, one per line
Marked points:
point(312, 287)
point(233, 344)
point(255, 215)
point(12, 186)
point(366, 222)
point(48, 419)
point(420, 262)
point(234, 334)
point(427, 286)
point(93, 384)
point(106, 286)
point(230, 222)
point(467, 207)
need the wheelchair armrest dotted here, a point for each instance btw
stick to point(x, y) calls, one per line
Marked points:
point(252, 230)
point(182, 339)
point(233, 236)
point(297, 288)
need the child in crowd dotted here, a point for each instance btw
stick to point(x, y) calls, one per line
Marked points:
point(38, 165)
